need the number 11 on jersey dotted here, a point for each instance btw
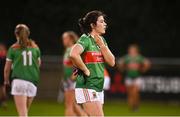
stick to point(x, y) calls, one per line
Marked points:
point(27, 58)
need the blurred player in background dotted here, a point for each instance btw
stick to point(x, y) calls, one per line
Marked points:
point(89, 55)
point(133, 64)
point(69, 38)
point(3, 52)
point(24, 59)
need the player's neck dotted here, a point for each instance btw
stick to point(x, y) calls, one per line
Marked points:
point(134, 55)
point(93, 33)
point(70, 46)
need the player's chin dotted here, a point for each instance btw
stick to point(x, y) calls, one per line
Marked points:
point(103, 32)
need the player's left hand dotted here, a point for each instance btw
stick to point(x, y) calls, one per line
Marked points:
point(74, 76)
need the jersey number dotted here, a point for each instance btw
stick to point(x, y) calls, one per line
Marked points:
point(27, 58)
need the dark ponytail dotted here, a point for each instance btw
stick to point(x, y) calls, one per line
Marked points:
point(82, 25)
point(90, 18)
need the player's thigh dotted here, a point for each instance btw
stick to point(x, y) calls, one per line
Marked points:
point(29, 101)
point(20, 99)
point(69, 96)
point(20, 102)
point(135, 89)
point(136, 85)
point(93, 108)
point(129, 89)
point(129, 84)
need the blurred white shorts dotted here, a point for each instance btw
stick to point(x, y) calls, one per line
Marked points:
point(107, 83)
point(69, 84)
point(23, 88)
point(133, 81)
point(88, 95)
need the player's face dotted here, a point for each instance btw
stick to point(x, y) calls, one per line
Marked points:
point(133, 51)
point(66, 40)
point(100, 25)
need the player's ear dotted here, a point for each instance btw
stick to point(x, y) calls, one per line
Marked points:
point(92, 25)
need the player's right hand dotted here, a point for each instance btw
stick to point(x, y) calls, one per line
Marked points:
point(87, 72)
point(6, 83)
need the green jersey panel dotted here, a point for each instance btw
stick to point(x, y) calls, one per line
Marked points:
point(138, 60)
point(67, 63)
point(25, 63)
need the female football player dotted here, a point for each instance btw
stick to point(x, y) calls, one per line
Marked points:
point(69, 38)
point(89, 55)
point(133, 64)
point(24, 59)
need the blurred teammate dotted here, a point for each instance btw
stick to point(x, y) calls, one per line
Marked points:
point(133, 64)
point(24, 58)
point(2, 64)
point(89, 55)
point(71, 108)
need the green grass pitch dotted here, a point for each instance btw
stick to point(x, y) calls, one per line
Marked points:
point(111, 108)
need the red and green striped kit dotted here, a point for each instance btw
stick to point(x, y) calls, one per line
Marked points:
point(68, 65)
point(94, 61)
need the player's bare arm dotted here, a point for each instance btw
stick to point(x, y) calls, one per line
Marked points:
point(121, 65)
point(7, 70)
point(107, 54)
point(77, 60)
point(146, 65)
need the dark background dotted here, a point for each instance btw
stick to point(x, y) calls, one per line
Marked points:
point(153, 24)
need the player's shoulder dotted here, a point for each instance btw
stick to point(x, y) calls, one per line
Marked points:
point(126, 56)
point(141, 56)
point(15, 46)
point(84, 37)
point(34, 45)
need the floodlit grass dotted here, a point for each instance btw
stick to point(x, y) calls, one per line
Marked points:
point(111, 107)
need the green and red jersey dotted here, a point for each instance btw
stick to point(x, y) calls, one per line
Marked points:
point(133, 65)
point(25, 63)
point(94, 61)
point(68, 65)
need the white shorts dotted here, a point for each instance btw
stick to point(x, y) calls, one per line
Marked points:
point(88, 95)
point(24, 88)
point(135, 81)
point(69, 84)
